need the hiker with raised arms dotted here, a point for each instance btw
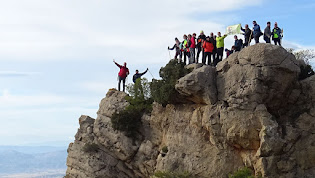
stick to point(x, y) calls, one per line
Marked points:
point(220, 47)
point(123, 73)
point(247, 35)
point(138, 75)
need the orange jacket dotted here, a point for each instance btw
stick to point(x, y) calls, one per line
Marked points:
point(207, 46)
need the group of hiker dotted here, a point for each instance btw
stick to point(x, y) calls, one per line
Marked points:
point(124, 72)
point(213, 46)
point(210, 46)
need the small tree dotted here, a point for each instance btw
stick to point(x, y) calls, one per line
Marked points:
point(304, 55)
point(140, 102)
point(163, 91)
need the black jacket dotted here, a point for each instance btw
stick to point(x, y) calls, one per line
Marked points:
point(199, 39)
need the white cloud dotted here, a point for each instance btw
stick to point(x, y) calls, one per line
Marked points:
point(16, 74)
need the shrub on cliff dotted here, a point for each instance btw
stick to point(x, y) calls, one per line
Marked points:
point(163, 91)
point(242, 173)
point(129, 120)
point(169, 174)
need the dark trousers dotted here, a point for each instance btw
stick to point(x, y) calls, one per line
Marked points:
point(256, 39)
point(124, 81)
point(199, 49)
point(208, 55)
point(246, 42)
point(267, 39)
point(277, 40)
point(219, 55)
point(186, 54)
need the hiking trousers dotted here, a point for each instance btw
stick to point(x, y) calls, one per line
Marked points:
point(192, 55)
point(277, 40)
point(199, 49)
point(123, 80)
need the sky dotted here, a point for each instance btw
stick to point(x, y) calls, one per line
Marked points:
point(57, 56)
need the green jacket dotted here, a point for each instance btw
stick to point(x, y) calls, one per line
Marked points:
point(220, 41)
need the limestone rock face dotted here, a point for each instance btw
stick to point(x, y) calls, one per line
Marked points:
point(199, 85)
point(250, 111)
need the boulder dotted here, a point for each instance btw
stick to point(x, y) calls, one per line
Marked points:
point(199, 86)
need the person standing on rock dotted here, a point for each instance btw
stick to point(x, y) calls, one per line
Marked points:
point(138, 75)
point(200, 40)
point(178, 51)
point(192, 47)
point(247, 34)
point(256, 31)
point(214, 42)
point(208, 48)
point(220, 47)
point(185, 48)
point(123, 73)
point(276, 34)
point(267, 33)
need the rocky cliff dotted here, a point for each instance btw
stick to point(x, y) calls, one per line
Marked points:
point(249, 111)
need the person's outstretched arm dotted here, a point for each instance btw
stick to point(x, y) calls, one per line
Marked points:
point(144, 72)
point(172, 47)
point(117, 64)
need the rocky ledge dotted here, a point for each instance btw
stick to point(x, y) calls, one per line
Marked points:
point(249, 111)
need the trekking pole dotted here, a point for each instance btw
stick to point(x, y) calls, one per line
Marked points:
point(169, 53)
point(151, 73)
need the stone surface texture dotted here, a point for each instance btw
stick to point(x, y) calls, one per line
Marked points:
point(249, 111)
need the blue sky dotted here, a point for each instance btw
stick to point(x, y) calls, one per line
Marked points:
point(56, 56)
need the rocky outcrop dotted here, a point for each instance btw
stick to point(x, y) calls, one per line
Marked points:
point(250, 111)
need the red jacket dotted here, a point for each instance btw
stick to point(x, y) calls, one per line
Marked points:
point(193, 42)
point(207, 46)
point(124, 71)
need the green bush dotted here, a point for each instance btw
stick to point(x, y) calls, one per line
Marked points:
point(90, 148)
point(163, 91)
point(129, 120)
point(242, 173)
point(169, 174)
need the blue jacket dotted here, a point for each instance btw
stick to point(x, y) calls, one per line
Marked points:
point(257, 30)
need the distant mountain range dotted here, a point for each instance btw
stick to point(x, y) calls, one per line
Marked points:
point(32, 159)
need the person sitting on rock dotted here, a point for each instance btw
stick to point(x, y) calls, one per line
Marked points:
point(138, 75)
point(238, 44)
point(123, 73)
